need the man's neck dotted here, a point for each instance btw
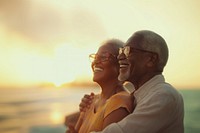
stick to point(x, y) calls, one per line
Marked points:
point(144, 79)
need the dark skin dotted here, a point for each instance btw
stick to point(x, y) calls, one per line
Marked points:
point(113, 117)
point(107, 79)
point(108, 85)
point(143, 70)
point(149, 63)
point(141, 66)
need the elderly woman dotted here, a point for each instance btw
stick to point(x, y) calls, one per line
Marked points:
point(113, 103)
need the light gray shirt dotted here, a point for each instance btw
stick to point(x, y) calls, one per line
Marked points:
point(159, 109)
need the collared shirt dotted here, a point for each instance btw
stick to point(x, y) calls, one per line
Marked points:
point(159, 109)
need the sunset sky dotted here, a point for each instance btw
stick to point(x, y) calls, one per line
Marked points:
point(48, 41)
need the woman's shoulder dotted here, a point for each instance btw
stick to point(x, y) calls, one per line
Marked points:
point(119, 100)
point(123, 95)
point(122, 98)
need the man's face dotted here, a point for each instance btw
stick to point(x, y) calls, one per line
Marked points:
point(132, 63)
point(125, 64)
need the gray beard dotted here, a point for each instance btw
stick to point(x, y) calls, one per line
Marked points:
point(124, 77)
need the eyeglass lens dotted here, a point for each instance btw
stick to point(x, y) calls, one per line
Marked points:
point(99, 58)
point(125, 50)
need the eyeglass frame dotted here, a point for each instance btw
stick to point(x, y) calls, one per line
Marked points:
point(93, 58)
point(121, 50)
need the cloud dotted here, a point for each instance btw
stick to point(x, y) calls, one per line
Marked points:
point(45, 22)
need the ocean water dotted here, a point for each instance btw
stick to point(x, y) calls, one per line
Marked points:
point(192, 110)
point(42, 110)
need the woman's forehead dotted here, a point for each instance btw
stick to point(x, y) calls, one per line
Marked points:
point(105, 48)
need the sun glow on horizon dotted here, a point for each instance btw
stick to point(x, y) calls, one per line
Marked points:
point(65, 56)
point(49, 41)
point(64, 64)
point(56, 117)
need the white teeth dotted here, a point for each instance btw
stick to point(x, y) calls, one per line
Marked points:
point(97, 69)
point(122, 66)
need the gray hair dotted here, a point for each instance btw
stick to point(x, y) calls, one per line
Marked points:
point(114, 45)
point(151, 41)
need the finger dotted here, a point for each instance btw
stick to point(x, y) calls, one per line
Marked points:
point(82, 104)
point(92, 94)
point(86, 101)
point(86, 96)
point(82, 107)
point(89, 97)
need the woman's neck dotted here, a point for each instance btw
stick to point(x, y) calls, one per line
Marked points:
point(110, 88)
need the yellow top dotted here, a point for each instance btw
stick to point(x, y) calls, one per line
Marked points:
point(93, 121)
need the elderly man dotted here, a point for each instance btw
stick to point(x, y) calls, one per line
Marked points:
point(159, 107)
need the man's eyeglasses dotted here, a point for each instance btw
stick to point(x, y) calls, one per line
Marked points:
point(127, 50)
point(100, 58)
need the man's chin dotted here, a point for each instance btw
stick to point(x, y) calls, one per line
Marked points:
point(123, 77)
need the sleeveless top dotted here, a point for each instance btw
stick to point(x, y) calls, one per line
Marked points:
point(93, 121)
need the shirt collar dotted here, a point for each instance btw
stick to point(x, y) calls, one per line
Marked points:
point(149, 85)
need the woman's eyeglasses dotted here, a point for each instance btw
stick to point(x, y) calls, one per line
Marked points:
point(100, 58)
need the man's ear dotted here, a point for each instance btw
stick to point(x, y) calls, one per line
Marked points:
point(153, 59)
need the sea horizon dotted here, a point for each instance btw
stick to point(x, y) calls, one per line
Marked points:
point(42, 110)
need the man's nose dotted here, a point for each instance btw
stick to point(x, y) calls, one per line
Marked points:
point(121, 56)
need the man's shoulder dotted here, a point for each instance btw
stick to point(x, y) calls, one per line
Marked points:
point(164, 92)
point(165, 89)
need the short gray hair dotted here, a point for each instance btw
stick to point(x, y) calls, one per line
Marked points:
point(151, 41)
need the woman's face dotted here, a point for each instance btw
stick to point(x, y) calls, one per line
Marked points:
point(105, 66)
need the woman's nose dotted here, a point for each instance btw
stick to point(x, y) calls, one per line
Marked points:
point(96, 61)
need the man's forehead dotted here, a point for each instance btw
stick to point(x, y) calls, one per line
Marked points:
point(134, 40)
point(131, 44)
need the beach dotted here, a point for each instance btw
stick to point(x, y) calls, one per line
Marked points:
point(42, 110)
